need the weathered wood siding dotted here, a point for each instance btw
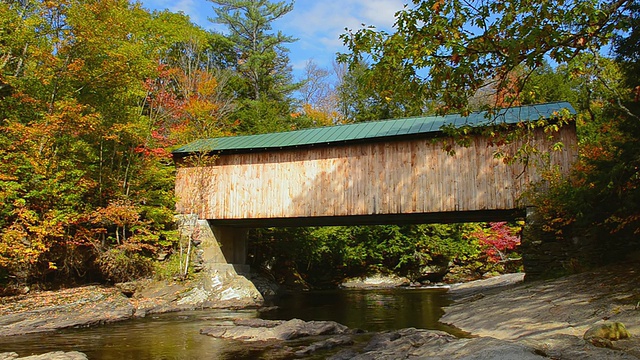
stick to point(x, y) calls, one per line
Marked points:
point(394, 177)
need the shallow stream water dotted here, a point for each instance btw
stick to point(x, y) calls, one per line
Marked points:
point(176, 335)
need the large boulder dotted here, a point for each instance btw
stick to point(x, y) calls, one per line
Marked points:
point(375, 281)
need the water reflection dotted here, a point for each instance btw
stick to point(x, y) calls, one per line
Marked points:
point(371, 310)
point(166, 336)
point(177, 335)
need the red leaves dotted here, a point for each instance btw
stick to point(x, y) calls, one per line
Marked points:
point(498, 240)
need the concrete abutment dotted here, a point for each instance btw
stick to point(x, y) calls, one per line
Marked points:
point(221, 254)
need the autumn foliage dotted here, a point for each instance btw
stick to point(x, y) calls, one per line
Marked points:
point(498, 241)
point(87, 121)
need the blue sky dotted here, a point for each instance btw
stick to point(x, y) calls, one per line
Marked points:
point(316, 23)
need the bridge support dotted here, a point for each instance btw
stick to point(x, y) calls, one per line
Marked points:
point(217, 247)
point(221, 254)
point(228, 246)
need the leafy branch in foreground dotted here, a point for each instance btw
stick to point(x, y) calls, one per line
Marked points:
point(448, 50)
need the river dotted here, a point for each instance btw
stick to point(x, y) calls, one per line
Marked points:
point(176, 335)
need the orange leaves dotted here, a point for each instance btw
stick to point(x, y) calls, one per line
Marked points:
point(76, 65)
point(437, 6)
point(186, 104)
point(30, 235)
point(208, 86)
point(119, 213)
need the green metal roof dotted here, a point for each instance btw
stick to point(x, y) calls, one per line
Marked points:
point(372, 130)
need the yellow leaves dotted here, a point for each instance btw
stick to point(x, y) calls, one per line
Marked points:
point(7, 177)
point(321, 117)
point(51, 4)
point(557, 146)
point(117, 213)
point(197, 107)
point(208, 86)
point(29, 236)
point(76, 65)
point(119, 130)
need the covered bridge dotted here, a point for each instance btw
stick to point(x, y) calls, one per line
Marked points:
point(376, 172)
point(391, 171)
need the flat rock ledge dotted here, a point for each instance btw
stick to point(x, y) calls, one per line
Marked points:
point(254, 330)
point(414, 343)
point(96, 305)
point(48, 311)
point(54, 355)
point(553, 316)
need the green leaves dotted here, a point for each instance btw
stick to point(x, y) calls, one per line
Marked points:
point(333, 253)
point(262, 59)
point(450, 49)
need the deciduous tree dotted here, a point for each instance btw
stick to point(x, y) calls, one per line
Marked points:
point(446, 50)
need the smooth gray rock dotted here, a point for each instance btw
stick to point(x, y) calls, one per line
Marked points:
point(377, 281)
point(288, 330)
point(329, 343)
point(54, 355)
point(437, 345)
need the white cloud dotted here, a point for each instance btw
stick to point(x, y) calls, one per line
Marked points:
point(319, 24)
point(186, 6)
point(197, 10)
point(380, 13)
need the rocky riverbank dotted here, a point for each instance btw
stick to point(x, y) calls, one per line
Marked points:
point(505, 318)
point(553, 316)
point(577, 317)
point(95, 305)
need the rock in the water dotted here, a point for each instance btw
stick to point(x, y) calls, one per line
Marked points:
point(54, 355)
point(265, 331)
point(255, 323)
point(376, 281)
point(325, 345)
point(394, 344)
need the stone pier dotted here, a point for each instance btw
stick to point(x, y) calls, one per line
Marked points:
point(221, 254)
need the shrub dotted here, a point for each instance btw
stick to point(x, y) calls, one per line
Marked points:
point(118, 265)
